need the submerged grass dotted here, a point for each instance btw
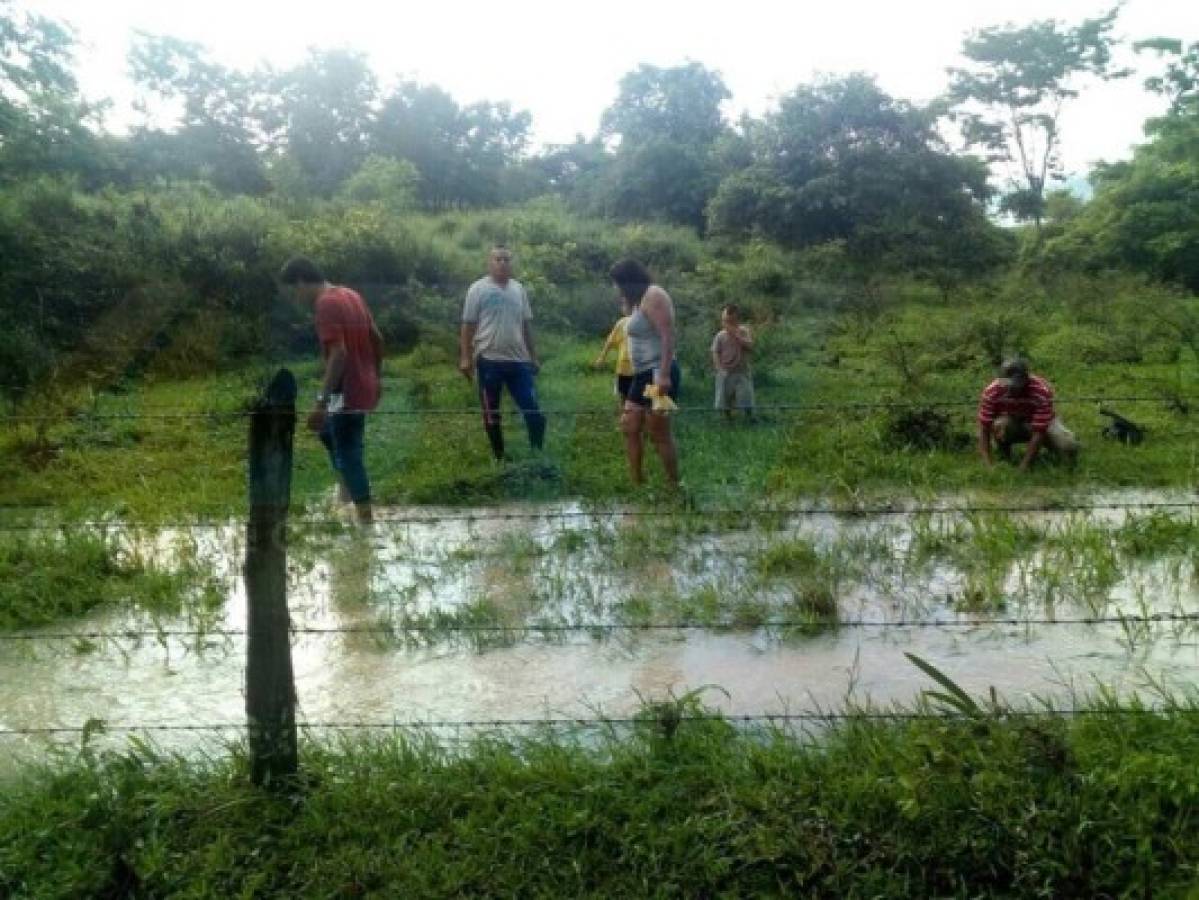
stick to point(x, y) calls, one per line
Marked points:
point(46, 577)
point(984, 805)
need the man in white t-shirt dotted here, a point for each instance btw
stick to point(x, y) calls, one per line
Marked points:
point(496, 342)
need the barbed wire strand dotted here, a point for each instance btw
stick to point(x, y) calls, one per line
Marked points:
point(551, 515)
point(100, 726)
point(816, 406)
point(581, 628)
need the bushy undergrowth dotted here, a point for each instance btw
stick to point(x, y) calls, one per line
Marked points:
point(1096, 805)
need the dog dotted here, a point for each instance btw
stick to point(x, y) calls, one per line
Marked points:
point(1121, 429)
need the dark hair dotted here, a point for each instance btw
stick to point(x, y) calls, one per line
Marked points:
point(732, 309)
point(1015, 366)
point(301, 270)
point(632, 278)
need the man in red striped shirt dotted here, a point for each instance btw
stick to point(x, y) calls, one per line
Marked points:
point(1018, 408)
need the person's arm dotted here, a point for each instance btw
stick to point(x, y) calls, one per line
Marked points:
point(658, 308)
point(744, 337)
point(526, 329)
point(986, 420)
point(335, 367)
point(716, 361)
point(1034, 447)
point(609, 343)
point(1042, 417)
point(984, 442)
point(466, 341)
point(377, 349)
point(466, 334)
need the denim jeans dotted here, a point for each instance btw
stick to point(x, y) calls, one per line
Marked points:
point(494, 376)
point(344, 437)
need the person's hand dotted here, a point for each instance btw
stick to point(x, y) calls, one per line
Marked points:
point(466, 368)
point(536, 364)
point(663, 382)
point(316, 419)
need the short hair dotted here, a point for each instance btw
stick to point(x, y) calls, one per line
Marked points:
point(732, 309)
point(301, 270)
point(632, 278)
point(1015, 366)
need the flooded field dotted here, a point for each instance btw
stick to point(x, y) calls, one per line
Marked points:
point(456, 615)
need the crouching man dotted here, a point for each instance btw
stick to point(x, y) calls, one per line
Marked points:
point(1017, 408)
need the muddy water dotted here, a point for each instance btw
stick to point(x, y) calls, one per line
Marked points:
point(562, 570)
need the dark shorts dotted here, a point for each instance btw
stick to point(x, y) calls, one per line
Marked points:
point(642, 380)
point(623, 383)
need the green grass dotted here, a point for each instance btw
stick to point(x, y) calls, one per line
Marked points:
point(1099, 805)
point(417, 454)
point(47, 577)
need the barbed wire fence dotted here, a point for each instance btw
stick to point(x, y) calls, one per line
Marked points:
point(267, 729)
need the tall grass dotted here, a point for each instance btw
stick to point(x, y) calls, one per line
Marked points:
point(986, 805)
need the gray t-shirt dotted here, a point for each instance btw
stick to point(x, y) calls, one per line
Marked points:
point(730, 355)
point(500, 314)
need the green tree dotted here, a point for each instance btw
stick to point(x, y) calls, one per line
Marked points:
point(217, 138)
point(321, 114)
point(679, 104)
point(1145, 214)
point(462, 154)
point(1180, 81)
point(665, 124)
point(572, 170)
point(840, 160)
point(45, 126)
point(1009, 98)
point(389, 183)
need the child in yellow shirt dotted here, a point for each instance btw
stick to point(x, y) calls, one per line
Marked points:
point(618, 340)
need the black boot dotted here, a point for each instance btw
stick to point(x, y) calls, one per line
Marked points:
point(495, 435)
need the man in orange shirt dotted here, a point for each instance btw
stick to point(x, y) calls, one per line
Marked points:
point(352, 349)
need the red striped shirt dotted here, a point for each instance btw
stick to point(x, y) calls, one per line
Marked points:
point(1034, 406)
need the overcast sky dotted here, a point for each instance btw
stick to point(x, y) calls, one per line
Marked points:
point(562, 61)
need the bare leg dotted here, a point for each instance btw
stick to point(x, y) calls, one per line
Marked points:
point(663, 438)
point(631, 421)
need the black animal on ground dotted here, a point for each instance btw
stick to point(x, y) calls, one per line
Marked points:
point(1121, 429)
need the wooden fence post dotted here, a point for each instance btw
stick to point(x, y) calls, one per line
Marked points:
point(270, 683)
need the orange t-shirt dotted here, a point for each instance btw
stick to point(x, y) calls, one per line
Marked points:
point(341, 315)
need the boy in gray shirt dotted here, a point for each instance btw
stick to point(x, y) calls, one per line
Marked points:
point(731, 350)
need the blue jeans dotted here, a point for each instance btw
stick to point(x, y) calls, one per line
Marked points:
point(344, 437)
point(494, 376)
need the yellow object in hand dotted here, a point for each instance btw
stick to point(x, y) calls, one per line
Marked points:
point(661, 402)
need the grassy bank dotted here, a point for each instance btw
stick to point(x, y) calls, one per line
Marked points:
point(1098, 805)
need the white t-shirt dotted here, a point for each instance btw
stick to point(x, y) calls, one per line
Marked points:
point(500, 314)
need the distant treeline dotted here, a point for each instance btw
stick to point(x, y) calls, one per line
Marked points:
point(109, 238)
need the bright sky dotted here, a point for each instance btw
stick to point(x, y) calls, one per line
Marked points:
point(562, 61)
